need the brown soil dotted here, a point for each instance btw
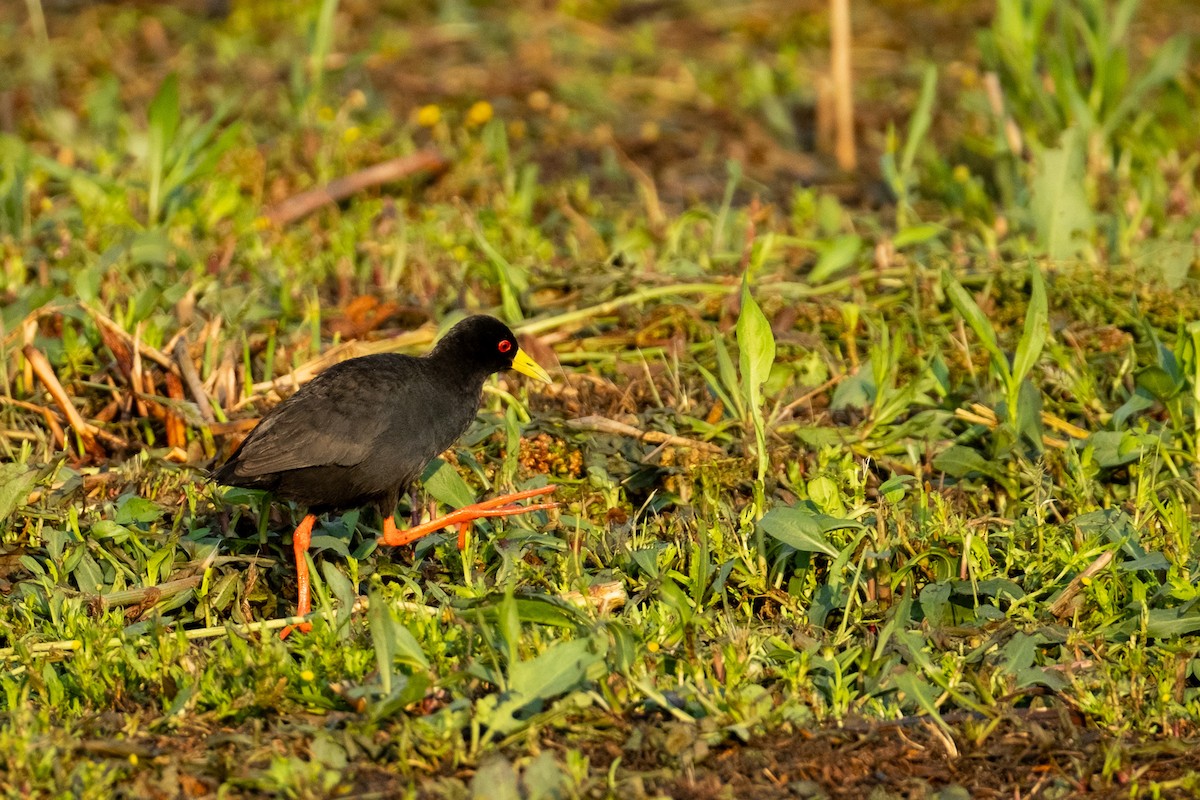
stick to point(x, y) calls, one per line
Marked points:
point(1027, 754)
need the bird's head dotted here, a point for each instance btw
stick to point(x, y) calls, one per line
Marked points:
point(487, 343)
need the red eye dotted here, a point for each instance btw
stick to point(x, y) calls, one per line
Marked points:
point(504, 346)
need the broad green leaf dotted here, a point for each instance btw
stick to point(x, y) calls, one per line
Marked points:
point(345, 591)
point(992, 587)
point(150, 248)
point(935, 602)
point(1037, 327)
point(406, 647)
point(756, 346)
point(147, 302)
point(728, 375)
point(164, 111)
point(823, 492)
point(1113, 448)
point(510, 279)
point(646, 559)
point(1040, 676)
point(446, 486)
point(16, 481)
point(557, 670)
point(131, 508)
point(341, 588)
point(1019, 652)
point(107, 529)
point(379, 620)
point(1113, 524)
point(959, 461)
point(159, 565)
point(1166, 623)
point(164, 122)
point(835, 257)
point(1169, 60)
point(895, 487)
point(1138, 402)
point(1028, 420)
point(1059, 203)
point(918, 123)
point(804, 530)
point(1158, 382)
point(496, 779)
point(962, 301)
point(1151, 562)
point(406, 690)
point(857, 391)
point(544, 778)
point(920, 692)
point(1171, 261)
point(88, 575)
point(917, 234)
point(509, 623)
point(537, 610)
point(325, 542)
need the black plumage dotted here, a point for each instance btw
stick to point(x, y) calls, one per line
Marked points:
point(363, 430)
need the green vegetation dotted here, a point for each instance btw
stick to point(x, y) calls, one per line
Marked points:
point(944, 415)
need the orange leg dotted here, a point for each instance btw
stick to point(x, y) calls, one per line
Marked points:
point(496, 507)
point(300, 541)
point(463, 517)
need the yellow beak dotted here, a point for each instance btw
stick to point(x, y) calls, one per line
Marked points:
point(525, 365)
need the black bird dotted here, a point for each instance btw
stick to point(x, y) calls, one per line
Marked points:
point(363, 430)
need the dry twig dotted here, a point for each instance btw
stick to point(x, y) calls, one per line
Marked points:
point(305, 203)
point(606, 425)
point(45, 373)
point(109, 326)
point(147, 595)
point(1064, 605)
point(982, 415)
point(192, 378)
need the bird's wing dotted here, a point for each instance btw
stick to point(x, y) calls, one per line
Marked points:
point(336, 419)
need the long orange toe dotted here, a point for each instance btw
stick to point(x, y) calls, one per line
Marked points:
point(503, 506)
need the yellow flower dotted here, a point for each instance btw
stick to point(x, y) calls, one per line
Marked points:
point(652, 647)
point(351, 134)
point(307, 676)
point(429, 115)
point(479, 114)
point(962, 174)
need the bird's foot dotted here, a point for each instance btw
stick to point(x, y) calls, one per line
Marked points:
point(503, 506)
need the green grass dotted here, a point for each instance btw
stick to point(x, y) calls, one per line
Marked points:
point(923, 419)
